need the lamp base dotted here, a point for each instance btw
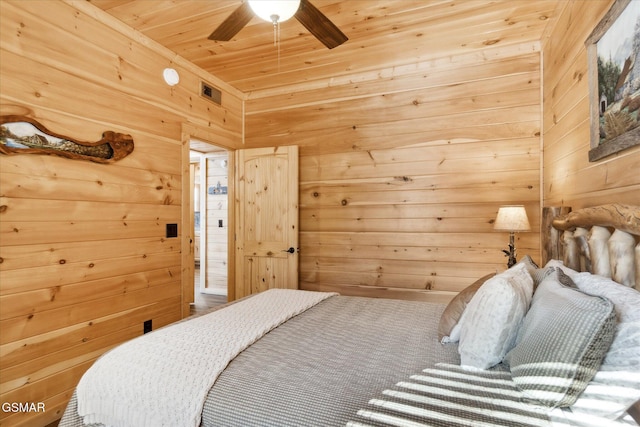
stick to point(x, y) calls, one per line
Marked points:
point(511, 253)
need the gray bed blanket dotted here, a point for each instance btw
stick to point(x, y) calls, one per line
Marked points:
point(450, 396)
point(322, 366)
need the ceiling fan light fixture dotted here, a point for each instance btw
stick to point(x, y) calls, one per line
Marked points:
point(274, 11)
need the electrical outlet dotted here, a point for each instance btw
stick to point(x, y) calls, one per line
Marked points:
point(172, 230)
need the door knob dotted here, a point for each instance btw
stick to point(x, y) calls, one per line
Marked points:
point(290, 250)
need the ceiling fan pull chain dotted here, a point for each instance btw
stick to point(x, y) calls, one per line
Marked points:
point(275, 32)
point(278, 46)
point(276, 35)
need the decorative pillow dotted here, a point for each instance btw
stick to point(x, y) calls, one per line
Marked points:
point(616, 386)
point(563, 340)
point(455, 308)
point(490, 323)
point(623, 298)
point(564, 279)
point(537, 274)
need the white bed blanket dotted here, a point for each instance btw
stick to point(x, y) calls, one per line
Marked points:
point(162, 378)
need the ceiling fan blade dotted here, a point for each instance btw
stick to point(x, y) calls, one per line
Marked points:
point(319, 25)
point(233, 24)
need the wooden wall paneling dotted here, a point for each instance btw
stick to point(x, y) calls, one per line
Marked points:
point(77, 335)
point(386, 165)
point(359, 127)
point(224, 121)
point(36, 369)
point(53, 295)
point(21, 209)
point(133, 68)
point(419, 274)
point(88, 190)
point(448, 218)
point(424, 249)
point(58, 253)
point(416, 81)
point(335, 140)
point(599, 178)
point(576, 75)
point(428, 74)
point(436, 74)
point(489, 239)
point(569, 134)
point(85, 260)
point(46, 321)
point(407, 117)
point(575, 23)
point(88, 99)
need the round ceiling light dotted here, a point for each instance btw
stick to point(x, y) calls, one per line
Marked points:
point(274, 10)
point(171, 76)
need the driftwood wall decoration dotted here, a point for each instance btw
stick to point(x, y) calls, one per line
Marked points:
point(23, 135)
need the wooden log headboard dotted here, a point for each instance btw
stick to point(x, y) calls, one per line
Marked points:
point(603, 240)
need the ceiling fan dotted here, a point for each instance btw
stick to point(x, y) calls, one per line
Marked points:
point(306, 13)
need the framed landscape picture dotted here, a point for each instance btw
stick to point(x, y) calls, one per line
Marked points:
point(614, 78)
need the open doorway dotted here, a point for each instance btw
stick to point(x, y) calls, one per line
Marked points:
point(210, 177)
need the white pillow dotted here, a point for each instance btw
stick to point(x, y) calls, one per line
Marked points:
point(616, 386)
point(489, 325)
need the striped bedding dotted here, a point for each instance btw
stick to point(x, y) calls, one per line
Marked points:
point(450, 396)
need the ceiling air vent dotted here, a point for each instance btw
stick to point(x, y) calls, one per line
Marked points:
point(211, 93)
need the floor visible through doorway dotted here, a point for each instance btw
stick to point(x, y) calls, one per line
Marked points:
point(204, 302)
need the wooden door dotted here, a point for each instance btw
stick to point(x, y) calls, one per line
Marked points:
point(267, 219)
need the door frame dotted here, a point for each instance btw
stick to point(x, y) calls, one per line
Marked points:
point(189, 132)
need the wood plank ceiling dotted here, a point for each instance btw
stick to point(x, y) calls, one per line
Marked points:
point(382, 35)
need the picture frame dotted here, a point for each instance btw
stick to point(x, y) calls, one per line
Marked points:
point(613, 50)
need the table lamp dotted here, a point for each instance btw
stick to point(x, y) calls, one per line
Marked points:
point(511, 219)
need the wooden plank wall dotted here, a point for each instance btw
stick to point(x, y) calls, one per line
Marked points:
point(402, 170)
point(569, 178)
point(84, 258)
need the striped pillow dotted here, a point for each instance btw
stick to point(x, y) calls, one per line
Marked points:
point(563, 340)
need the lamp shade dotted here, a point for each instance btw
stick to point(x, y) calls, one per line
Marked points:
point(274, 10)
point(512, 218)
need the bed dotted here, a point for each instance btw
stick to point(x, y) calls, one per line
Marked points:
point(299, 358)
